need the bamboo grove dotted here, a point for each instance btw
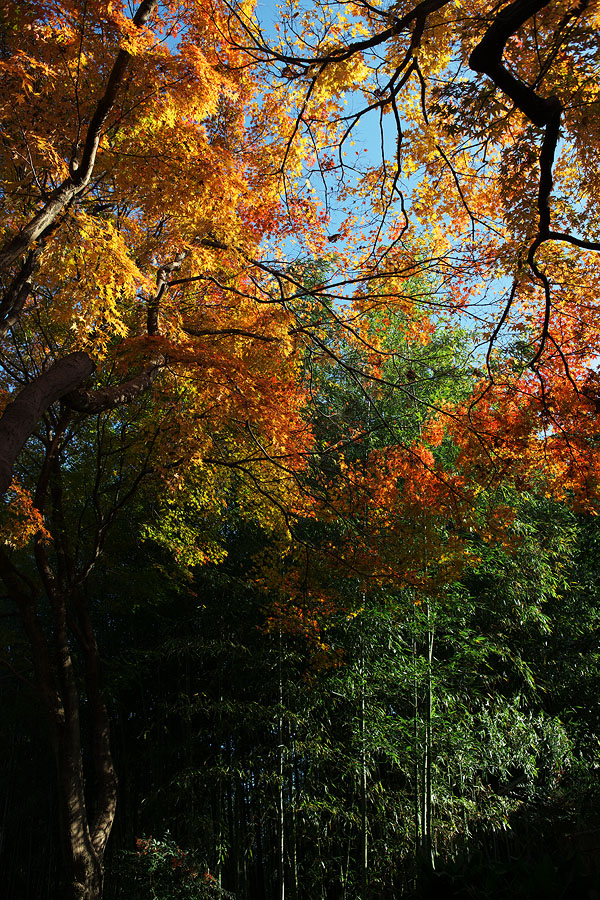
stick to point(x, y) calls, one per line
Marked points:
point(298, 448)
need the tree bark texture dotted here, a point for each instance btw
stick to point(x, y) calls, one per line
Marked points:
point(24, 412)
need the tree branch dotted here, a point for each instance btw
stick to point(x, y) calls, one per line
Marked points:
point(487, 59)
point(102, 399)
point(24, 412)
point(80, 174)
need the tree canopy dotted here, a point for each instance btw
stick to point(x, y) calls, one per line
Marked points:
point(314, 300)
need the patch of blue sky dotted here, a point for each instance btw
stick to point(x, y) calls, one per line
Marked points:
point(370, 138)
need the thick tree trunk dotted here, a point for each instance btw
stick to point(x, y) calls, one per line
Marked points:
point(83, 842)
point(89, 881)
point(63, 380)
point(84, 835)
point(24, 412)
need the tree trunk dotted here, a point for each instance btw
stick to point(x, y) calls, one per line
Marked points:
point(24, 412)
point(293, 804)
point(280, 790)
point(416, 757)
point(83, 840)
point(83, 836)
point(364, 838)
point(428, 843)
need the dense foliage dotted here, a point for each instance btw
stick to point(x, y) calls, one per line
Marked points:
point(299, 466)
point(469, 721)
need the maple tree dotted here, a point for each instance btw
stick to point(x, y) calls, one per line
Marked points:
point(137, 187)
point(127, 231)
point(486, 115)
point(168, 268)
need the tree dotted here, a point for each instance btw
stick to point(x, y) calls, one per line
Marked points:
point(154, 175)
point(506, 781)
point(136, 189)
point(129, 221)
point(490, 189)
point(81, 477)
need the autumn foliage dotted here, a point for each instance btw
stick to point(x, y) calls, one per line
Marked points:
point(196, 246)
